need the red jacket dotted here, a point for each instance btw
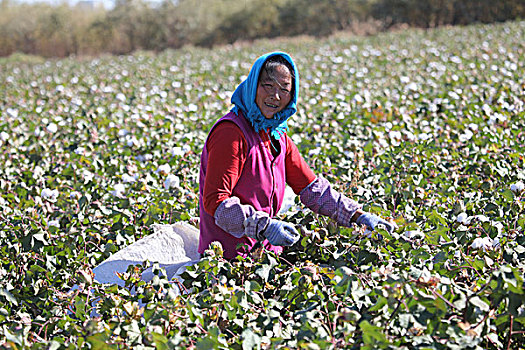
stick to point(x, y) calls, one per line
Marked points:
point(236, 161)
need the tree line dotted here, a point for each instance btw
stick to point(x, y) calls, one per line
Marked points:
point(63, 30)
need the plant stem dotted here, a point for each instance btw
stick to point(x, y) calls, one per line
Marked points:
point(510, 331)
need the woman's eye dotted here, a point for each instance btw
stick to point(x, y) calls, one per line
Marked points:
point(285, 91)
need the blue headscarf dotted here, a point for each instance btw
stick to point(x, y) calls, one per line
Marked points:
point(244, 99)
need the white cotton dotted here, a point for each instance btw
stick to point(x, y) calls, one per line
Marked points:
point(121, 97)
point(87, 175)
point(482, 218)
point(414, 234)
point(467, 135)
point(412, 87)
point(517, 187)
point(192, 107)
point(129, 179)
point(394, 134)
point(123, 132)
point(53, 223)
point(118, 190)
point(50, 195)
point(484, 243)
point(462, 218)
point(163, 169)
point(177, 152)
point(13, 113)
point(171, 181)
point(52, 128)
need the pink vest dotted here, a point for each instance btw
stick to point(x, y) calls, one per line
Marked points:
point(261, 184)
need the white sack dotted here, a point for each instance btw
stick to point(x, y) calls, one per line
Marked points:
point(172, 246)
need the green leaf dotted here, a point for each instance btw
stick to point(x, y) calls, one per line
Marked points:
point(99, 341)
point(160, 340)
point(508, 195)
point(371, 334)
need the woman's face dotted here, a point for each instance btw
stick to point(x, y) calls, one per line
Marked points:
point(273, 95)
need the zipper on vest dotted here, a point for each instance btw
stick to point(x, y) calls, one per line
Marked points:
point(272, 164)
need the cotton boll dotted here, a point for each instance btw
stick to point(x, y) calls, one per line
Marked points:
point(486, 109)
point(171, 181)
point(477, 243)
point(481, 218)
point(4, 136)
point(424, 136)
point(177, 152)
point(394, 134)
point(121, 97)
point(132, 141)
point(517, 187)
point(122, 132)
point(52, 128)
point(118, 190)
point(163, 169)
point(411, 87)
point(50, 195)
point(192, 107)
point(53, 223)
point(462, 218)
point(467, 135)
point(129, 179)
point(13, 113)
point(87, 175)
point(414, 234)
point(482, 243)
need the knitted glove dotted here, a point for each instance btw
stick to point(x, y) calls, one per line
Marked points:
point(372, 221)
point(281, 233)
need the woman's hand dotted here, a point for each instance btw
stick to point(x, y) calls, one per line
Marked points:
point(281, 233)
point(372, 221)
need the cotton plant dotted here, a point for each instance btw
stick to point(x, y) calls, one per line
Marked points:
point(485, 243)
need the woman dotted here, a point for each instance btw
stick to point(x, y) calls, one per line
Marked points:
point(247, 161)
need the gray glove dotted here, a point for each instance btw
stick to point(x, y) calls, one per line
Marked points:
point(281, 233)
point(372, 221)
